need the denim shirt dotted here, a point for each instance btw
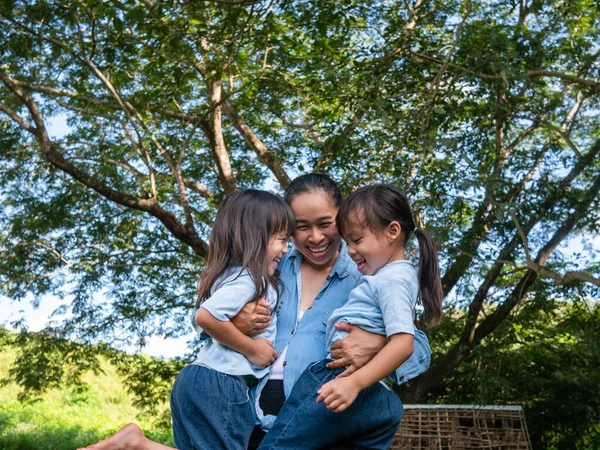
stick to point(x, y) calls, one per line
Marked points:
point(306, 339)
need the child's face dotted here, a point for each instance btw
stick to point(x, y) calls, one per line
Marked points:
point(275, 250)
point(369, 250)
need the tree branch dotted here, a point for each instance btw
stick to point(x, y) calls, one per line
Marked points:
point(335, 142)
point(489, 324)
point(505, 254)
point(225, 2)
point(471, 240)
point(560, 132)
point(382, 65)
point(595, 85)
point(438, 77)
point(175, 168)
point(57, 92)
point(446, 364)
point(142, 152)
point(306, 127)
point(54, 157)
point(23, 124)
point(217, 141)
point(265, 155)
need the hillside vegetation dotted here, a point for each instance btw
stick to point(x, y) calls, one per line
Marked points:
point(69, 417)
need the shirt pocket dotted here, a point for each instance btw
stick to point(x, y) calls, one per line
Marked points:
point(319, 336)
point(321, 330)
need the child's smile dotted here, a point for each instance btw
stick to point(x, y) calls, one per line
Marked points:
point(275, 250)
point(370, 250)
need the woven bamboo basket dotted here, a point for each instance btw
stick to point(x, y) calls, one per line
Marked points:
point(458, 427)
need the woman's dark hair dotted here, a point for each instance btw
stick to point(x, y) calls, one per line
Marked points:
point(376, 207)
point(245, 223)
point(313, 182)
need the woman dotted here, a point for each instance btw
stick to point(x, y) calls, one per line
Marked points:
point(318, 275)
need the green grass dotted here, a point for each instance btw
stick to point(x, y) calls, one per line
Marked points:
point(66, 419)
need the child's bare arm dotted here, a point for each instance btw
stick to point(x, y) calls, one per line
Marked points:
point(339, 394)
point(260, 352)
point(397, 351)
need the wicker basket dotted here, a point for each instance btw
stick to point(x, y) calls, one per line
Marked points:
point(457, 427)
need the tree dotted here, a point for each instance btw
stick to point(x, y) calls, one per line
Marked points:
point(545, 358)
point(484, 112)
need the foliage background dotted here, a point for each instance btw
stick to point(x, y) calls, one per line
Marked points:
point(66, 416)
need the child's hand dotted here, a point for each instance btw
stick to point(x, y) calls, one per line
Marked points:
point(338, 394)
point(262, 353)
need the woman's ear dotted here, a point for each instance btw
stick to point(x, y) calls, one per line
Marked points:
point(393, 230)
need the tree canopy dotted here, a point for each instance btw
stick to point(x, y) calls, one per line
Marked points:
point(484, 112)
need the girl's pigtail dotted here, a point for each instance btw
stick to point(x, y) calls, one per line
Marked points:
point(430, 285)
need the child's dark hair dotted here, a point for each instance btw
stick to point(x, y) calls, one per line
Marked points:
point(313, 182)
point(245, 223)
point(376, 207)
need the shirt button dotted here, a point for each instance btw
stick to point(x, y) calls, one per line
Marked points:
point(293, 331)
point(284, 363)
point(329, 277)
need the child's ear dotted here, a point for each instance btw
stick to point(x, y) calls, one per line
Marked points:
point(393, 230)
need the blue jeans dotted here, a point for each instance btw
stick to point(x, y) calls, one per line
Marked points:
point(210, 410)
point(369, 423)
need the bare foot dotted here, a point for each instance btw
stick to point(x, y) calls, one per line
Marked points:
point(130, 437)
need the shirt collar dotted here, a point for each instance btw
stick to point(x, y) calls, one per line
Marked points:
point(339, 267)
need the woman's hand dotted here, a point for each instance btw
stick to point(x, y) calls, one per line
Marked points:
point(356, 350)
point(254, 318)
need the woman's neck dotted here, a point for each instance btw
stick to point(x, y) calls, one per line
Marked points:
point(313, 280)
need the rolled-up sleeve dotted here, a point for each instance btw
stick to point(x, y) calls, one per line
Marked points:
point(417, 363)
point(230, 298)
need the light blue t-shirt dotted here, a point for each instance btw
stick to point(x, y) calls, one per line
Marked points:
point(229, 295)
point(383, 303)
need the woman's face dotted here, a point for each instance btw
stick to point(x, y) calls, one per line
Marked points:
point(316, 235)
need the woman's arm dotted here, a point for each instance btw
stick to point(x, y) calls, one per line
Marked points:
point(356, 350)
point(360, 347)
point(338, 394)
point(259, 352)
point(254, 318)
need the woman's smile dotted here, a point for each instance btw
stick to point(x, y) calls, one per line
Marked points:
point(316, 235)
